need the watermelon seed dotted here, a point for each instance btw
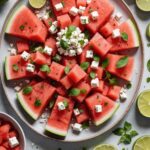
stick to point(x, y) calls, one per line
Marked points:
point(15, 68)
point(37, 103)
point(27, 90)
point(22, 27)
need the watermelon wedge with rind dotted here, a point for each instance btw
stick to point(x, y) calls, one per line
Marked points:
point(39, 91)
point(133, 40)
point(23, 23)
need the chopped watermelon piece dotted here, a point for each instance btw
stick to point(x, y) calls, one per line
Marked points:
point(114, 92)
point(84, 115)
point(56, 71)
point(125, 72)
point(13, 134)
point(2, 148)
point(17, 148)
point(81, 3)
point(104, 9)
point(4, 129)
point(133, 40)
point(100, 45)
point(61, 90)
point(105, 89)
point(22, 46)
point(67, 6)
point(76, 74)
point(24, 23)
point(58, 122)
point(48, 22)
point(66, 82)
point(11, 72)
point(41, 91)
point(100, 88)
point(108, 28)
point(69, 61)
point(109, 107)
point(76, 22)
point(64, 21)
point(42, 75)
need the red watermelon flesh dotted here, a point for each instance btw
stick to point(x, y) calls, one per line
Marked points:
point(58, 122)
point(69, 61)
point(125, 72)
point(26, 25)
point(41, 91)
point(104, 8)
point(108, 108)
point(22, 46)
point(133, 41)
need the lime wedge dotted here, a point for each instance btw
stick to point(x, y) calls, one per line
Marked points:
point(37, 3)
point(143, 4)
point(143, 143)
point(143, 103)
point(105, 147)
point(148, 30)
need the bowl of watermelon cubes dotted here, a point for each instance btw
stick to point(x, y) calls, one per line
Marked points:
point(11, 134)
point(69, 66)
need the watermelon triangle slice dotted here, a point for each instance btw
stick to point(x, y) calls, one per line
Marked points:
point(24, 23)
point(133, 41)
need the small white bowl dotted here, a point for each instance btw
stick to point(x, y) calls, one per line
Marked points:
point(18, 128)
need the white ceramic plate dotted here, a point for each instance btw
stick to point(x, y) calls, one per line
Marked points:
point(93, 131)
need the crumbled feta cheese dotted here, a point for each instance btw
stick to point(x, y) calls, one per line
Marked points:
point(76, 112)
point(25, 56)
point(17, 88)
point(55, 23)
point(116, 33)
point(88, 1)
point(95, 82)
point(94, 15)
point(77, 127)
point(89, 54)
point(74, 41)
point(81, 10)
point(79, 51)
point(123, 94)
point(94, 64)
point(46, 16)
point(30, 67)
point(53, 29)
point(11, 45)
point(118, 16)
point(61, 106)
point(72, 53)
point(58, 44)
point(59, 6)
point(84, 19)
point(13, 51)
point(13, 142)
point(98, 108)
point(85, 42)
point(73, 11)
point(47, 50)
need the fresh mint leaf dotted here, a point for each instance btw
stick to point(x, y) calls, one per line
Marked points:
point(92, 75)
point(96, 58)
point(127, 126)
point(85, 65)
point(70, 30)
point(15, 67)
point(83, 91)
point(148, 79)
point(133, 133)
point(74, 92)
point(87, 34)
point(65, 103)
point(51, 104)
point(105, 63)
point(22, 27)
point(119, 131)
point(122, 62)
point(148, 65)
point(129, 85)
point(37, 102)
point(113, 81)
point(27, 90)
point(64, 44)
point(57, 58)
point(45, 68)
point(125, 139)
point(124, 36)
point(85, 125)
point(67, 69)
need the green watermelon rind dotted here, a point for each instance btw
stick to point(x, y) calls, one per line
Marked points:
point(25, 106)
point(6, 63)
point(55, 131)
point(108, 116)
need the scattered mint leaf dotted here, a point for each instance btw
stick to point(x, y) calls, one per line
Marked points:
point(83, 91)
point(81, 111)
point(113, 81)
point(87, 34)
point(148, 79)
point(92, 75)
point(85, 125)
point(148, 65)
point(119, 131)
point(37, 103)
point(148, 44)
point(127, 126)
point(45, 68)
point(81, 42)
point(133, 133)
point(27, 90)
point(96, 58)
point(15, 67)
point(124, 36)
point(51, 14)
point(57, 58)
point(70, 30)
point(85, 65)
point(63, 3)
point(105, 63)
point(64, 44)
point(65, 103)
point(122, 62)
point(129, 85)
point(67, 69)
point(107, 75)
point(74, 92)
point(22, 27)
point(50, 23)
point(51, 104)
point(125, 139)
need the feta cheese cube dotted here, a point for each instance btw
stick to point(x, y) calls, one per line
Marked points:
point(61, 106)
point(76, 112)
point(98, 108)
point(13, 142)
point(25, 56)
point(116, 33)
point(59, 6)
point(118, 16)
point(79, 51)
point(73, 11)
point(95, 82)
point(72, 53)
point(30, 67)
point(94, 15)
point(17, 88)
point(123, 94)
point(94, 64)
point(53, 29)
point(89, 54)
point(78, 30)
point(77, 127)
point(47, 50)
point(55, 23)
point(13, 51)
point(81, 10)
point(88, 1)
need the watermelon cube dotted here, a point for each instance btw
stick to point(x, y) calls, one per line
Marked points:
point(64, 21)
point(125, 72)
point(58, 122)
point(2, 148)
point(100, 45)
point(13, 134)
point(76, 74)
point(100, 88)
point(66, 82)
point(48, 22)
point(42, 75)
point(85, 87)
point(22, 46)
point(108, 108)
point(81, 3)
point(114, 92)
point(69, 61)
point(84, 115)
point(105, 89)
point(56, 71)
point(4, 129)
point(61, 90)
point(104, 9)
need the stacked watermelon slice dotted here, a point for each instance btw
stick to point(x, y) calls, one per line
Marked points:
point(67, 79)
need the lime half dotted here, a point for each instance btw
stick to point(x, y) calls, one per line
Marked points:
point(143, 143)
point(143, 103)
point(148, 30)
point(37, 3)
point(143, 4)
point(105, 147)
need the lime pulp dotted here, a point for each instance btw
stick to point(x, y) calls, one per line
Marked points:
point(37, 3)
point(144, 5)
point(105, 147)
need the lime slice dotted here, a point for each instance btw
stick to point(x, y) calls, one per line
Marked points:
point(143, 143)
point(148, 30)
point(37, 3)
point(143, 103)
point(105, 147)
point(143, 4)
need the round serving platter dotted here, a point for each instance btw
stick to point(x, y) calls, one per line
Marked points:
point(93, 131)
